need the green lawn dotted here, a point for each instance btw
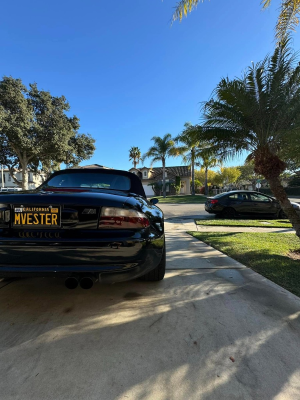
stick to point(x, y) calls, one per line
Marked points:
point(182, 199)
point(264, 223)
point(265, 253)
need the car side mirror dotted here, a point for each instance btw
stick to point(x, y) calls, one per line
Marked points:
point(154, 201)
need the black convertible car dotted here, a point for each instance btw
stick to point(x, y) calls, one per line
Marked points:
point(85, 225)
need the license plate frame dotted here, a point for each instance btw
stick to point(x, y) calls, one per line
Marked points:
point(36, 216)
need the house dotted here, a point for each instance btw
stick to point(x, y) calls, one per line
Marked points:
point(95, 166)
point(150, 176)
point(35, 179)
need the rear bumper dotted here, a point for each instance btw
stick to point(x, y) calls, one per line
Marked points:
point(110, 261)
point(213, 208)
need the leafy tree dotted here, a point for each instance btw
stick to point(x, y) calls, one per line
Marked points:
point(162, 149)
point(135, 155)
point(248, 173)
point(260, 113)
point(228, 176)
point(190, 148)
point(35, 130)
point(209, 175)
point(287, 20)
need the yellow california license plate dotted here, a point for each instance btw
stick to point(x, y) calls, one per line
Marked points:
point(36, 216)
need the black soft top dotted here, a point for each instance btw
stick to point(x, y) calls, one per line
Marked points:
point(136, 184)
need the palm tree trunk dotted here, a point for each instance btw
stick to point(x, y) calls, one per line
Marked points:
point(134, 163)
point(280, 194)
point(164, 177)
point(193, 175)
point(205, 184)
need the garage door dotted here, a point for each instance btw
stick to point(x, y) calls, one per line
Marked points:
point(148, 190)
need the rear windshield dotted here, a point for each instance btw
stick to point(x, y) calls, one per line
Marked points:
point(90, 180)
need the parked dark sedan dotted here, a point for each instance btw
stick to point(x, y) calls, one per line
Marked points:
point(238, 202)
point(85, 225)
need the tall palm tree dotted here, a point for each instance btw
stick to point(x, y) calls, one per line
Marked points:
point(190, 148)
point(163, 147)
point(209, 160)
point(135, 155)
point(287, 19)
point(260, 113)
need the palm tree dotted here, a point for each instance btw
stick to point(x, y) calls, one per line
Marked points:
point(163, 147)
point(209, 160)
point(287, 19)
point(190, 149)
point(135, 155)
point(260, 113)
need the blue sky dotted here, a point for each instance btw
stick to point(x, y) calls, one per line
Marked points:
point(126, 72)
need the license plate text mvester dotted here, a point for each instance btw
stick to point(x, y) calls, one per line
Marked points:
point(36, 219)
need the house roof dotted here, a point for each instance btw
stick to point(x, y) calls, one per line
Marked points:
point(181, 171)
point(92, 166)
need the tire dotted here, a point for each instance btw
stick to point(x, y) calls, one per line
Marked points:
point(229, 213)
point(158, 273)
point(282, 215)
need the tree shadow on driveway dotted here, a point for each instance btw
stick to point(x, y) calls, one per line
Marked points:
point(167, 340)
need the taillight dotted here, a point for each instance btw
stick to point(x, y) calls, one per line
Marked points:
point(118, 218)
point(4, 214)
point(213, 201)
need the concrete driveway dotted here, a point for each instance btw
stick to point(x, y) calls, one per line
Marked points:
point(212, 329)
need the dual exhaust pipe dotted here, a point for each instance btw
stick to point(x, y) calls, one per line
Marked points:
point(86, 282)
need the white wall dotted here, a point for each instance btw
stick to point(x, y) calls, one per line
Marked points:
point(148, 190)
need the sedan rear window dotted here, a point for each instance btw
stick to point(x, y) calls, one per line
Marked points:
point(90, 180)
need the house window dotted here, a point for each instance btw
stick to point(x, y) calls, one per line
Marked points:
point(166, 174)
point(9, 178)
point(145, 174)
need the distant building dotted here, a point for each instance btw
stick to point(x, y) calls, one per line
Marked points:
point(155, 175)
point(92, 166)
point(34, 179)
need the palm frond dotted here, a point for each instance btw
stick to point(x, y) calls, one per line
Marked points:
point(288, 19)
point(183, 8)
point(259, 110)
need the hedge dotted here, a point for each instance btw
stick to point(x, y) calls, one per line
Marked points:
point(290, 191)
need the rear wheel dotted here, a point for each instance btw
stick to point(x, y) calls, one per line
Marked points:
point(158, 273)
point(229, 213)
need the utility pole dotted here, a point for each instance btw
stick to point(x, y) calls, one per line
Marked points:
point(2, 176)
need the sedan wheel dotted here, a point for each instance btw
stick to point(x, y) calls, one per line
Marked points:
point(229, 213)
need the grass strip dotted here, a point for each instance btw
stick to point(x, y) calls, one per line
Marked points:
point(182, 199)
point(263, 223)
point(265, 253)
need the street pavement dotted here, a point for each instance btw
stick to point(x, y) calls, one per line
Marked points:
point(191, 210)
point(188, 211)
point(212, 329)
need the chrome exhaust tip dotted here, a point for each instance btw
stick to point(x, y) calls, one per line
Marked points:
point(87, 282)
point(71, 282)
